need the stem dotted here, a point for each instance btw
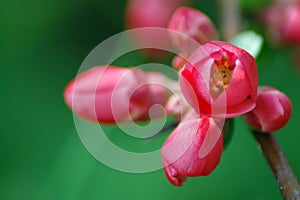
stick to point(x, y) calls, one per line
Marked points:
point(283, 173)
point(164, 129)
point(287, 181)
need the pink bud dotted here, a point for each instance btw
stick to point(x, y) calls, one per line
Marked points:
point(159, 89)
point(290, 27)
point(283, 19)
point(194, 148)
point(177, 105)
point(109, 94)
point(194, 25)
point(220, 80)
point(272, 112)
point(179, 61)
point(150, 13)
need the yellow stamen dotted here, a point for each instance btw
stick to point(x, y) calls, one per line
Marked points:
point(221, 76)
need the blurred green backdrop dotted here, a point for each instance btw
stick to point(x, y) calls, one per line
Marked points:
point(42, 45)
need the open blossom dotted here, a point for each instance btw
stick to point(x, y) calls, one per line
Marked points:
point(194, 148)
point(272, 112)
point(220, 80)
point(110, 94)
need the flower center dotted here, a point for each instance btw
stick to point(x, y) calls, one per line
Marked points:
point(221, 75)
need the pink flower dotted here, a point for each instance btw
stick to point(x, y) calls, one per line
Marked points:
point(159, 86)
point(290, 27)
point(194, 148)
point(150, 13)
point(283, 19)
point(108, 94)
point(220, 80)
point(272, 112)
point(196, 28)
point(179, 61)
point(177, 105)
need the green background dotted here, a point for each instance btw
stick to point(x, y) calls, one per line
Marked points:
point(42, 45)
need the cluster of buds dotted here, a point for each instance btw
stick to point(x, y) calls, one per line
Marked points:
point(217, 81)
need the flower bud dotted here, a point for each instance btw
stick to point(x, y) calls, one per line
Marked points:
point(290, 28)
point(109, 94)
point(272, 112)
point(160, 87)
point(283, 19)
point(177, 105)
point(196, 28)
point(150, 13)
point(194, 148)
point(179, 61)
point(220, 80)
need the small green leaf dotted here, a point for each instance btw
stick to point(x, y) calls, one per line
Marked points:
point(228, 131)
point(249, 41)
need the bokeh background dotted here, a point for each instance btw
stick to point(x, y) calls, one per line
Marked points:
point(42, 45)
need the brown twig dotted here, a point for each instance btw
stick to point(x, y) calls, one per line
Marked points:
point(230, 18)
point(283, 173)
